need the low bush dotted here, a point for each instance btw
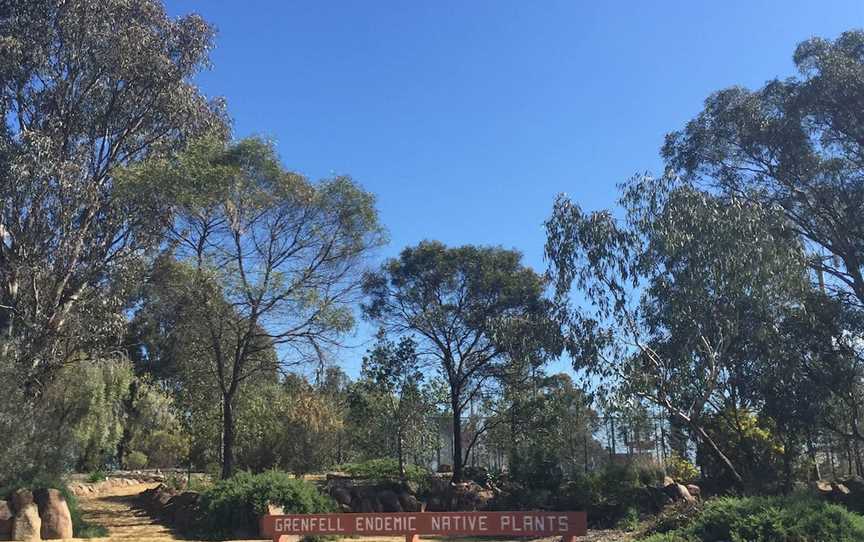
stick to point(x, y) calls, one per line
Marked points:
point(136, 460)
point(384, 470)
point(798, 518)
point(97, 476)
point(232, 507)
point(682, 470)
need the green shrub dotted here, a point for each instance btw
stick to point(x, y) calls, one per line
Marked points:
point(232, 507)
point(797, 518)
point(682, 470)
point(630, 521)
point(136, 460)
point(606, 494)
point(384, 470)
point(97, 476)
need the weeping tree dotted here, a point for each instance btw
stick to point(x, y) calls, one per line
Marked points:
point(274, 260)
point(673, 302)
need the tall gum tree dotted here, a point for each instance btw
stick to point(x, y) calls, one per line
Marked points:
point(671, 301)
point(277, 260)
point(469, 309)
point(86, 88)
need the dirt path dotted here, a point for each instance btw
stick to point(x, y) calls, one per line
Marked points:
point(114, 509)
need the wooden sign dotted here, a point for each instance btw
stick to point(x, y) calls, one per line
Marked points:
point(411, 525)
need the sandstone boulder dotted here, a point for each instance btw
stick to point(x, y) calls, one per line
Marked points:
point(694, 490)
point(54, 512)
point(26, 525)
point(5, 520)
point(678, 492)
point(389, 501)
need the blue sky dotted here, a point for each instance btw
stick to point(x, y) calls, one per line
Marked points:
point(465, 118)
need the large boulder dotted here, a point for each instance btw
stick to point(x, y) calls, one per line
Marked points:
point(389, 501)
point(410, 503)
point(341, 495)
point(694, 490)
point(26, 525)
point(5, 520)
point(56, 519)
point(679, 492)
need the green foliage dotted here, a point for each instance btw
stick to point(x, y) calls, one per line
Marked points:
point(796, 518)
point(607, 494)
point(136, 460)
point(235, 504)
point(291, 426)
point(630, 521)
point(97, 476)
point(385, 470)
point(472, 306)
point(76, 422)
point(681, 470)
point(58, 198)
point(752, 444)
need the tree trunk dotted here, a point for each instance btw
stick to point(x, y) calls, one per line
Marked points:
point(401, 455)
point(718, 453)
point(228, 437)
point(457, 441)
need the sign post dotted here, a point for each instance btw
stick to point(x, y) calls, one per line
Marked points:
point(531, 524)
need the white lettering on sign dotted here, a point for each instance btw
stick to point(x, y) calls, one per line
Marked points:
point(460, 523)
point(531, 523)
point(399, 524)
point(299, 525)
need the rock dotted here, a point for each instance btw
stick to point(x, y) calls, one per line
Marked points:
point(26, 525)
point(823, 487)
point(668, 481)
point(678, 492)
point(694, 490)
point(20, 499)
point(5, 520)
point(434, 505)
point(409, 502)
point(389, 501)
point(366, 506)
point(341, 495)
point(54, 512)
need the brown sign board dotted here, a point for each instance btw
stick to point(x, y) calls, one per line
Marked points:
point(411, 525)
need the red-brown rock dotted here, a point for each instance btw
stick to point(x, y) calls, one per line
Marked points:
point(54, 512)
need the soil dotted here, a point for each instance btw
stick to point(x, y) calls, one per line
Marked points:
point(114, 509)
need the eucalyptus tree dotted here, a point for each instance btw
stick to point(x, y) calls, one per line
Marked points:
point(469, 309)
point(391, 398)
point(675, 298)
point(276, 259)
point(796, 143)
point(86, 88)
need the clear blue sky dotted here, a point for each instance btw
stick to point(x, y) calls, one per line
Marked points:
point(467, 117)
